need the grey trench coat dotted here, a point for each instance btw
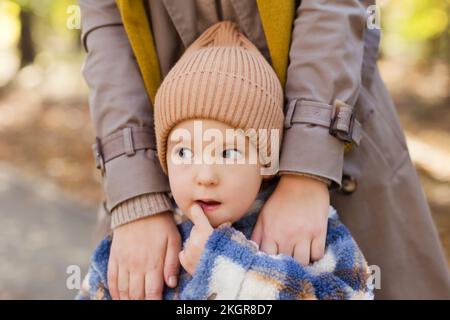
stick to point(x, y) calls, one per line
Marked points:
point(374, 186)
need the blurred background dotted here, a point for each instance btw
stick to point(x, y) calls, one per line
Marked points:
point(49, 187)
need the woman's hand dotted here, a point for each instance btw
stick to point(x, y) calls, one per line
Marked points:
point(144, 253)
point(200, 233)
point(294, 219)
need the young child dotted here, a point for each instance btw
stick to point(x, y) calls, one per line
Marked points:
point(218, 123)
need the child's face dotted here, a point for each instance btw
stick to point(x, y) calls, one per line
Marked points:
point(225, 191)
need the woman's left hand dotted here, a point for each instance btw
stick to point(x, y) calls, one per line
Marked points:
point(202, 229)
point(294, 219)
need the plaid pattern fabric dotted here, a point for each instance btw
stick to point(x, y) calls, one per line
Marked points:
point(232, 267)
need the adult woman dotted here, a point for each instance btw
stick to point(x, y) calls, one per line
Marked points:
point(326, 59)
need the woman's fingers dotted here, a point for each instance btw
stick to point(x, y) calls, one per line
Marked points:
point(123, 284)
point(302, 252)
point(136, 280)
point(318, 247)
point(285, 248)
point(112, 278)
point(171, 262)
point(257, 233)
point(154, 284)
point(269, 246)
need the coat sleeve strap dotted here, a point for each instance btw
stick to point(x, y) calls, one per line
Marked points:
point(339, 118)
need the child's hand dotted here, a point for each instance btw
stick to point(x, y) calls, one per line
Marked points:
point(144, 253)
point(294, 219)
point(200, 233)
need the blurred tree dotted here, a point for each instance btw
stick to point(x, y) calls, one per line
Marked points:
point(38, 21)
point(26, 44)
point(421, 26)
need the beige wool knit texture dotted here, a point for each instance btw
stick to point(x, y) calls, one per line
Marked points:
point(222, 76)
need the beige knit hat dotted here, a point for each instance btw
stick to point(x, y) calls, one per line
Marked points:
point(222, 76)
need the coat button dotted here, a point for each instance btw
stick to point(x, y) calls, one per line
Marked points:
point(348, 184)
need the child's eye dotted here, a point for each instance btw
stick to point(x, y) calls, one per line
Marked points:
point(231, 153)
point(184, 153)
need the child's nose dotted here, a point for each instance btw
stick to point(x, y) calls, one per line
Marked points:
point(207, 176)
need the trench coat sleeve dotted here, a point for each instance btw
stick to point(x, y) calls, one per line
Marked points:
point(118, 100)
point(326, 56)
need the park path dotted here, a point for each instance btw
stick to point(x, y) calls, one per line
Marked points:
point(42, 232)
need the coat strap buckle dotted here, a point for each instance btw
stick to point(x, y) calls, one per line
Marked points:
point(343, 124)
point(338, 118)
point(126, 141)
point(98, 155)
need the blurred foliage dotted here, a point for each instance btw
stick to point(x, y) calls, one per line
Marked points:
point(416, 28)
point(53, 11)
point(9, 23)
point(35, 31)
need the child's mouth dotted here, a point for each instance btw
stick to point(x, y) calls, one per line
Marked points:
point(208, 205)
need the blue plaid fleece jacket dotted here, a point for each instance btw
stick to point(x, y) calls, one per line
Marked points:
point(232, 267)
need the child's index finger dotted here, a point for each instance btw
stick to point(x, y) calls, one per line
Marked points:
point(199, 218)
